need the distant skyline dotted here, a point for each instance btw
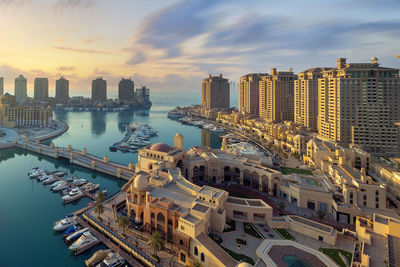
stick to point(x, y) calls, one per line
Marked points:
point(172, 45)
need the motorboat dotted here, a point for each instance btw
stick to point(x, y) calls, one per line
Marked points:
point(71, 230)
point(43, 178)
point(80, 182)
point(36, 173)
point(70, 238)
point(55, 184)
point(85, 240)
point(97, 257)
point(60, 173)
point(71, 179)
point(66, 191)
point(89, 187)
point(112, 260)
point(65, 224)
point(60, 186)
point(73, 194)
point(50, 180)
point(33, 170)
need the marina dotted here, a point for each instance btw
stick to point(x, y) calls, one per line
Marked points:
point(137, 136)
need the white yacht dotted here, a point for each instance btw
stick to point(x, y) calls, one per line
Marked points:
point(75, 235)
point(112, 260)
point(50, 180)
point(36, 173)
point(60, 186)
point(89, 187)
point(74, 193)
point(55, 184)
point(64, 224)
point(43, 177)
point(85, 240)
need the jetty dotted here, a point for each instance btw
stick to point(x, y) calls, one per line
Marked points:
point(78, 157)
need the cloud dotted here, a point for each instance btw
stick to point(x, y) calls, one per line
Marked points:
point(136, 59)
point(68, 5)
point(81, 50)
point(66, 68)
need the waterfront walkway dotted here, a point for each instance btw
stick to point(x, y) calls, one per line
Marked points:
point(80, 158)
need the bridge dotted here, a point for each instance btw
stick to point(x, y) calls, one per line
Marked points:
point(78, 157)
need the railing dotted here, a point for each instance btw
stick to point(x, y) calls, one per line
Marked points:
point(146, 259)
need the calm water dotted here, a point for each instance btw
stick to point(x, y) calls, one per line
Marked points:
point(28, 209)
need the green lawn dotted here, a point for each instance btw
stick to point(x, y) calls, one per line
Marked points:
point(239, 257)
point(217, 239)
point(334, 255)
point(249, 229)
point(241, 241)
point(287, 170)
point(285, 234)
point(232, 226)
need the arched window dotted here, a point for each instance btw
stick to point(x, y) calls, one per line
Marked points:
point(365, 197)
point(181, 242)
point(351, 194)
point(160, 218)
point(196, 251)
point(152, 215)
point(202, 257)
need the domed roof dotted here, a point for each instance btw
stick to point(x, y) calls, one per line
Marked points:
point(244, 264)
point(161, 147)
point(141, 182)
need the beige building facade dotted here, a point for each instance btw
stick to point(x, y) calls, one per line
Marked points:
point(249, 87)
point(215, 92)
point(41, 89)
point(276, 96)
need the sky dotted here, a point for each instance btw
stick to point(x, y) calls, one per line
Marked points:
point(170, 45)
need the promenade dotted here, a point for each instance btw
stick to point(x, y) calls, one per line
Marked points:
point(77, 157)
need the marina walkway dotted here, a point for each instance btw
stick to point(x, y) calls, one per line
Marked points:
point(80, 158)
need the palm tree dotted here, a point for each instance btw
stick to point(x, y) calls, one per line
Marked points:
point(156, 242)
point(123, 223)
point(101, 196)
point(281, 206)
point(321, 214)
point(99, 209)
point(196, 263)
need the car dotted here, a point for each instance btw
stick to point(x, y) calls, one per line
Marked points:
point(266, 230)
point(271, 235)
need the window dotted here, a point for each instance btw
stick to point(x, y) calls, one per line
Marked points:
point(376, 193)
point(351, 195)
point(196, 251)
point(182, 228)
point(377, 205)
point(202, 257)
point(181, 242)
point(365, 197)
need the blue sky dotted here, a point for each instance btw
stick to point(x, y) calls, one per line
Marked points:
point(171, 45)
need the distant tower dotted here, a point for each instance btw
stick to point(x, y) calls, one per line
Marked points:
point(126, 90)
point(99, 90)
point(1, 86)
point(224, 146)
point(20, 89)
point(62, 90)
point(41, 89)
point(179, 141)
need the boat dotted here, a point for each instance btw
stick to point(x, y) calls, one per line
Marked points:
point(36, 173)
point(71, 230)
point(97, 257)
point(85, 240)
point(64, 224)
point(50, 180)
point(71, 179)
point(80, 182)
point(60, 173)
point(113, 148)
point(43, 178)
point(89, 187)
point(60, 186)
point(55, 184)
point(112, 260)
point(66, 191)
point(69, 239)
point(73, 194)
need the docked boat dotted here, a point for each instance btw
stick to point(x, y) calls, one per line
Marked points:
point(36, 173)
point(112, 260)
point(89, 187)
point(55, 184)
point(80, 182)
point(60, 186)
point(71, 230)
point(113, 148)
point(43, 178)
point(85, 240)
point(66, 191)
point(60, 173)
point(50, 180)
point(64, 224)
point(97, 257)
point(72, 237)
point(73, 194)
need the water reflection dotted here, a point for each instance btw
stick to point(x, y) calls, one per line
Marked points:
point(98, 122)
point(210, 139)
point(124, 118)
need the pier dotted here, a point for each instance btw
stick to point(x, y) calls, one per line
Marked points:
point(78, 157)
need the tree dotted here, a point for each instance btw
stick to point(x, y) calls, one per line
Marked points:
point(123, 223)
point(196, 263)
point(281, 206)
point(101, 196)
point(99, 209)
point(321, 214)
point(156, 242)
